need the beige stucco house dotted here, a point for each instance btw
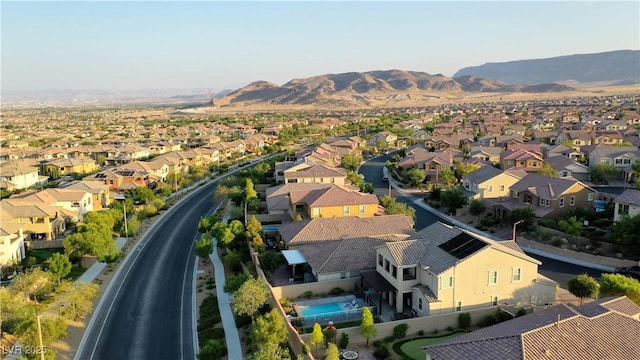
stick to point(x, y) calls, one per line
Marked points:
point(444, 269)
point(627, 203)
point(489, 182)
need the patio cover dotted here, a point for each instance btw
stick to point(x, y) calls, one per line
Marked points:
point(377, 281)
point(294, 257)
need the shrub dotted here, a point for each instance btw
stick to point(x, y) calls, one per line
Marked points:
point(378, 343)
point(544, 235)
point(550, 223)
point(421, 333)
point(400, 331)
point(305, 349)
point(213, 349)
point(464, 321)
point(389, 339)
point(344, 341)
point(336, 291)
point(382, 352)
point(451, 328)
point(556, 241)
point(307, 294)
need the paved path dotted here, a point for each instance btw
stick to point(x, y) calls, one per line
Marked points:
point(234, 348)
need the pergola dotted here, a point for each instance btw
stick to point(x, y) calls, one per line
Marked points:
point(294, 257)
point(378, 283)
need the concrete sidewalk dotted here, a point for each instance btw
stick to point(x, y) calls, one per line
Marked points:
point(94, 270)
point(234, 349)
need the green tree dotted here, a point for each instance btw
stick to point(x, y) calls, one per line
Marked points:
point(601, 173)
point(204, 247)
point(233, 260)
point(392, 207)
point(463, 169)
point(583, 286)
point(140, 195)
point(213, 349)
point(548, 170)
point(317, 337)
point(332, 352)
point(236, 227)
point(58, 265)
point(351, 162)
point(626, 233)
point(454, 199)
point(526, 214)
point(367, 327)
point(74, 300)
point(204, 225)
point(227, 237)
point(268, 352)
point(233, 282)
point(476, 208)
point(355, 178)
point(270, 329)
point(270, 261)
point(448, 177)
point(571, 226)
point(415, 177)
point(253, 226)
point(250, 297)
point(91, 239)
point(620, 285)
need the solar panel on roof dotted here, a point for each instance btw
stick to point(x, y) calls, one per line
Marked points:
point(100, 176)
point(462, 245)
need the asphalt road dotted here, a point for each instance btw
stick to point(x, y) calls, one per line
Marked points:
point(559, 271)
point(147, 310)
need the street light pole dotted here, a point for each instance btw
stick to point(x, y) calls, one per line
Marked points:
point(513, 237)
point(41, 349)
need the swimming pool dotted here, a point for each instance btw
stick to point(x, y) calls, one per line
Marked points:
point(337, 309)
point(322, 309)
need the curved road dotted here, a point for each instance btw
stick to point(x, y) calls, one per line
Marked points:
point(557, 270)
point(147, 310)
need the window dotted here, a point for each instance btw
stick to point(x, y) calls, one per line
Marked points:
point(627, 161)
point(447, 282)
point(333, 180)
point(316, 211)
point(459, 306)
point(618, 161)
point(386, 265)
point(590, 197)
point(516, 274)
point(564, 173)
point(420, 303)
point(409, 273)
point(561, 202)
point(514, 193)
point(501, 187)
point(493, 277)
point(475, 187)
point(572, 200)
point(394, 271)
point(345, 210)
point(343, 275)
point(623, 209)
point(494, 301)
point(534, 164)
point(361, 209)
point(380, 259)
point(490, 188)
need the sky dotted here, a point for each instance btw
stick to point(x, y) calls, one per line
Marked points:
point(225, 45)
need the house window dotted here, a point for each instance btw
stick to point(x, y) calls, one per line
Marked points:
point(459, 306)
point(394, 271)
point(516, 274)
point(343, 275)
point(618, 161)
point(386, 265)
point(494, 301)
point(420, 303)
point(501, 187)
point(447, 282)
point(333, 180)
point(561, 203)
point(590, 197)
point(490, 188)
point(493, 277)
point(627, 161)
point(361, 209)
point(564, 173)
point(345, 210)
point(321, 180)
point(380, 259)
point(475, 187)
point(623, 209)
point(408, 273)
point(316, 211)
point(572, 200)
point(534, 164)
point(514, 193)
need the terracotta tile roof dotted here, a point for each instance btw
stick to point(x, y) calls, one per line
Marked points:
point(331, 196)
point(328, 229)
point(629, 196)
point(558, 332)
point(316, 171)
point(278, 196)
point(544, 186)
point(425, 290)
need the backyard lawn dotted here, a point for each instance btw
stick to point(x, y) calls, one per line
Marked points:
point(413, 349)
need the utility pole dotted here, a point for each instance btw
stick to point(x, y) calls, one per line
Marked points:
point(41, 350)
point(126, 229)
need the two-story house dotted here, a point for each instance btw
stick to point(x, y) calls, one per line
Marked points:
point(19, 176)
point(39, 221)
point(521, 159)
point(568, 167)
point(78, 201)
point(12, 239)
point(383, 139)
point(444, 269)
point(486, 153)
point(73, 166)
point(549, 197)
point(621, 157)
point(332, 201)
point(98, 190)
point(318, 173)
point(489, 182)
point(627, 203)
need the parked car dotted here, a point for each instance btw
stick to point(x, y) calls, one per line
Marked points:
point(631, 271)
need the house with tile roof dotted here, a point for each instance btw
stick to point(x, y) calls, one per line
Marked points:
point(332, 201)
point(486, 153)
point(521, 159)
point(444, 269)
point(621, 157)
point(567, 167)
point(39, 221)
point(20, 176)
point(73, 166)
point(12, 239)
point(317, 173)
point(489, 182)
point(343, 247)
point(608, 328)
point(383, 139)
point(277, 197)
point(627, 204)
point(74, 200)
point(549, 197)
point(98, 190)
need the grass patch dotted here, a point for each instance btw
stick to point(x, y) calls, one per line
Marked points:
point(75, 273)
point(412, 349)
point(42, 255)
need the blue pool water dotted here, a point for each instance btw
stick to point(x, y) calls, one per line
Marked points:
point(321, 309)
